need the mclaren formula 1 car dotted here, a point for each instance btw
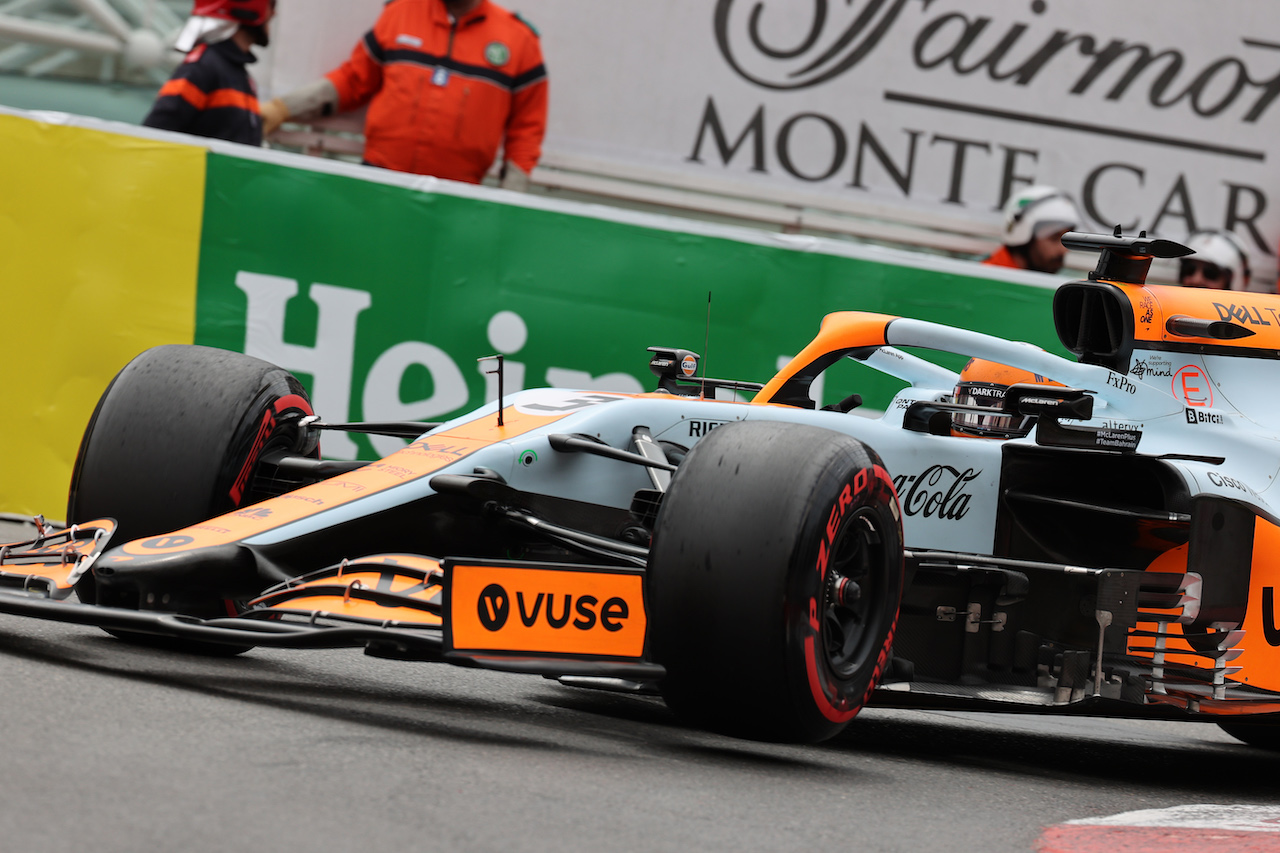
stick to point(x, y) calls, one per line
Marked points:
point(768, 567)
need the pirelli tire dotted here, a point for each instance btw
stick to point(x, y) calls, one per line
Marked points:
point(1264, 734)
point(775, 577)
point(177, 437)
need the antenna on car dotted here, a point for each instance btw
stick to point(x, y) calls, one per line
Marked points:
point(706, 347)
point(497, 370)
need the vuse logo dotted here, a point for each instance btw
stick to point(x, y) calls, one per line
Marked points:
point(493, 607)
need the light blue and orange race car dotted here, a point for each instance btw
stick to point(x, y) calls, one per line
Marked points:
point(1102, 537)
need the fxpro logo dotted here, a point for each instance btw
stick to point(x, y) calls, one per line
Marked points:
point(494, 609)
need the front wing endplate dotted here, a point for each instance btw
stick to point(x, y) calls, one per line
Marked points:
point(51, 563)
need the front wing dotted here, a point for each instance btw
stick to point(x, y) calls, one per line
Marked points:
point(590, 624)
point(542, 618)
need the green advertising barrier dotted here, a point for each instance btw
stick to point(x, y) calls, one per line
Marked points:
point(382, 290)
point(382, 297)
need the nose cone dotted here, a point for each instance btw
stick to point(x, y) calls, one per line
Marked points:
point(197, 582)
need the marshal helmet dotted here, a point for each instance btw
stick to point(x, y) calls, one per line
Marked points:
point(253, 13)
point(1216, 253)
point(213, 21)
point(1038, 210)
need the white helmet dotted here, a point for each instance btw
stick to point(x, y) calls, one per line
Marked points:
point(1036, 210)
point(201, 29)
point(1225, 250)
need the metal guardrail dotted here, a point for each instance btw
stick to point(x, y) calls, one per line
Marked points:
point(98, 40)
point(718, 199)
point(609, 182)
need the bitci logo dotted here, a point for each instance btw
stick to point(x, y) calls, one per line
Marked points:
point(493, 607)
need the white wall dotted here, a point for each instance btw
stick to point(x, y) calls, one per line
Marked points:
point(1184, 141)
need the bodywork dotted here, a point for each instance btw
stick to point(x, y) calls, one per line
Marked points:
point(1122, 558)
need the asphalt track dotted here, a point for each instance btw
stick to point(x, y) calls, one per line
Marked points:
point(110, 747)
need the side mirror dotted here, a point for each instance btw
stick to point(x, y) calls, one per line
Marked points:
point(1052, 405)
point(673, 366)
point(1048, 402)
point(670, 364)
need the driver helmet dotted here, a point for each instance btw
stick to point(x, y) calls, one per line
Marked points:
point(213, 21)
point(1219, 252)
point(1036, 211)
point(983, 383)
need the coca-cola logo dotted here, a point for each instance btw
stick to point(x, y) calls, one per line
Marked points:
point(776, 46)
point(939, 491)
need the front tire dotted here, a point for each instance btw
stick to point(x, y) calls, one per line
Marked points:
point(177, 438)
point(775, 577)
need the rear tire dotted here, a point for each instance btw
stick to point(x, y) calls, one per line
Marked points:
point(177, 438)
point(1264, 735)
point(763, 526)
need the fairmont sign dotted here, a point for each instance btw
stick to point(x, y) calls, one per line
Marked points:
point(938, 102)
point(1009, 46)
point(1154, 114)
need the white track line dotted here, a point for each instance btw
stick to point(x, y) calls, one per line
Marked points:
point(1236, 818)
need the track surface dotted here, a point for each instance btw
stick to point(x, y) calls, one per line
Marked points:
point(111, 747)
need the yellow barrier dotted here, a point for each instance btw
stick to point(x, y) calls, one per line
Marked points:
point(99, 248)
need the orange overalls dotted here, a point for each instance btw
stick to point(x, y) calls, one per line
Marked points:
point(1001, 258)
point(443, 95)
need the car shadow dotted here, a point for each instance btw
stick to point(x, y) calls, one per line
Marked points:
point(1180, 765)
point(276, 683)
point(534, 714)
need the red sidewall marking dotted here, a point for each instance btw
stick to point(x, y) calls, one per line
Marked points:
point(265, 429)
point(820, 697)
point(836, 520)
point(292, 401)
